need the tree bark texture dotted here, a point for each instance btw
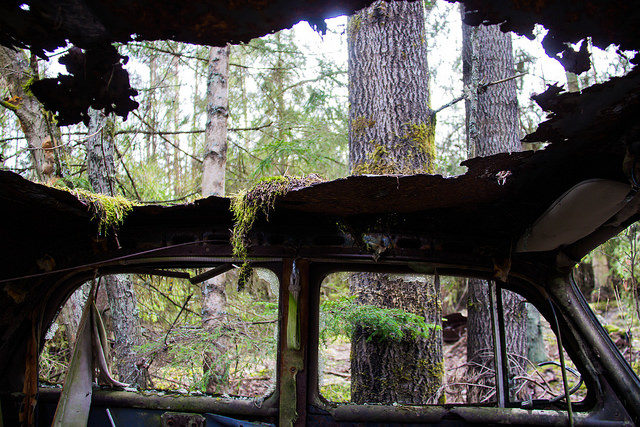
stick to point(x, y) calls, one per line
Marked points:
point(119, 289)
point(491, 112)
point(390, 126)
point(215, 158)
point(214, 298)
point(100, 162)
point(572, 82)
point(407, 371)
point(42, 136)
point(492, 127)
point(214, 321)
point(391, 131)
point(126, 330)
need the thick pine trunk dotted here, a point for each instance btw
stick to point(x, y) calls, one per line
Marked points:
point(390, 126)
point(492, 127)
point(214, 305)
point(391, 131)
point(119, 289)
point(407, 371)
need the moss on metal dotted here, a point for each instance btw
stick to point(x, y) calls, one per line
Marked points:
point(247, 205)
point(108, 211)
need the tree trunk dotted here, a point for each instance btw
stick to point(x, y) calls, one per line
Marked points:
point(215, 158)
point(119, 289)
point(100, 163)
point(152, 112)
point(492, 127)
point(214, 305)
point(603, 289)
point(572, 82)
point(391, 131)
point(390, 125)
point(42, 136)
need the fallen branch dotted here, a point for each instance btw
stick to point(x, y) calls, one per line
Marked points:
point(338, 374)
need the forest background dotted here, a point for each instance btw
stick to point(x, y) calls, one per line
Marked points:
point(288, 115)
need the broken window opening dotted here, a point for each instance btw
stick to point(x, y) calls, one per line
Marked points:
point(534, 377)
point(202, 338)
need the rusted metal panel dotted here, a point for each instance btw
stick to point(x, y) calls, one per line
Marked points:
point(293, 366)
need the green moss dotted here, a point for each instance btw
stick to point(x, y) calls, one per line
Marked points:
point(424, 136)
point(361, 123)
point(247, 205)
point(421, 142)
point(340, 392)
point(109, 211)
point(377, 163)
point(353, 25)
point(435, 374)
point(612, 329)
point(27, 86)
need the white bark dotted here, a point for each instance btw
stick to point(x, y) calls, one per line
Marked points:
point(215, 158)
point(213, 176)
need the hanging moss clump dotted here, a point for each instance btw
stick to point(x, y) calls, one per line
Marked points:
point(246, 206)
point(108, 211)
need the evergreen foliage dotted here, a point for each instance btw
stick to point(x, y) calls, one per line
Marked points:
point(341, 316)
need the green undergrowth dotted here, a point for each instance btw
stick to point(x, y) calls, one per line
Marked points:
point(340, 392)
point(344, 314)
point(260, 199)
point(108, 211)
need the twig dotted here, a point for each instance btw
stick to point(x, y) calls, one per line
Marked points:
point(176, 319)
point(170, 380)
point(8, 105)
point(254, 379)
point(506, 79)
point(179, 199)
point(262, 322)
point(170, 300)
point(266, 125)
point(133, 184)
point(447, 105)
point(481, 89)
point(469, 385)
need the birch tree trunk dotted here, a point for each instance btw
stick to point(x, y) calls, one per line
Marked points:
point(119, 289)
point(214, 305)
point(215, 158)
point(492, 127)
point(391, 131)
